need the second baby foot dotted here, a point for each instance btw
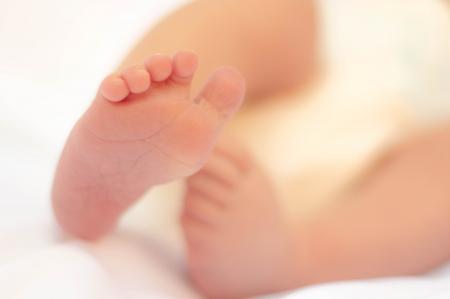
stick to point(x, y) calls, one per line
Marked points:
point(238, 242)
point(143, 129)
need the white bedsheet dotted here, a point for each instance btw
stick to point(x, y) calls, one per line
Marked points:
point(53, 54)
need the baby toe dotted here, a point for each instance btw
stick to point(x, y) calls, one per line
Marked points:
point(185, 64)
point(114, 89)
point(224, 92)
point(137, 79)
point(160, 67)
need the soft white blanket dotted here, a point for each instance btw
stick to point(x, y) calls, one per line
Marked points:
point(53, 54)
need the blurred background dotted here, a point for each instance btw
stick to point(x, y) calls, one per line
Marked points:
point(392, 60)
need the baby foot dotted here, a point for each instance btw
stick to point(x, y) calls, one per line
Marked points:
point(142, 129)
point(237, 242)
point(153, 105)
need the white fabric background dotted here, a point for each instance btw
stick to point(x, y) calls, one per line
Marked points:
point(53, 54)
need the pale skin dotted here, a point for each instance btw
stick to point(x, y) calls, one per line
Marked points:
point(239, 244)
point(142, 129)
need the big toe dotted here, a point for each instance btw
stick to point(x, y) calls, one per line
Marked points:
point(224, 91)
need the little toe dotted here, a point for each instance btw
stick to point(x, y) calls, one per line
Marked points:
point(210, 187)
point(232, 151)
point(137, 79)
point(200, 208)
point(224, 91)
point(114, 89)
point(185, 64)
point(159, 67)
point(223, 169)
point(196, 233)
